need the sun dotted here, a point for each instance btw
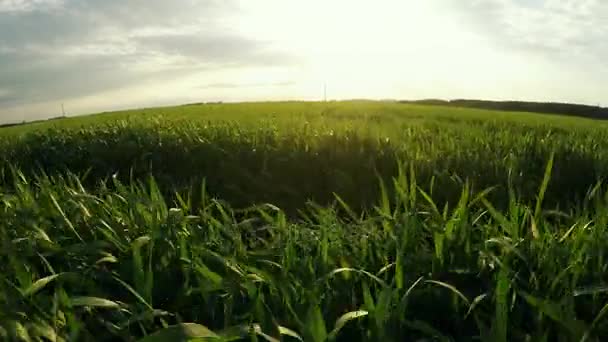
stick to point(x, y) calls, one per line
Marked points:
point(358, 48)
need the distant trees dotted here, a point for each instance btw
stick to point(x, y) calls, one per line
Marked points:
point(587, 111)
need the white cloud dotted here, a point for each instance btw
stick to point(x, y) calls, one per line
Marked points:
point(88, 47)
point(565, 27)
point(28, 5)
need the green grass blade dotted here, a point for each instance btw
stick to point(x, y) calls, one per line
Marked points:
point(341, 322)
point(182, 332)
point(94, 302)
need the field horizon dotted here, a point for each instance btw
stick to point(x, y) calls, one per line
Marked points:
point(552, 108)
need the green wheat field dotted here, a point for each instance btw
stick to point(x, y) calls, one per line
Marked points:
point(305, 221)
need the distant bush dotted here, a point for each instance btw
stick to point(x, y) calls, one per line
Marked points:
point(586, 111)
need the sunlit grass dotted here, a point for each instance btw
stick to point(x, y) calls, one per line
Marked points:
point(371, 221)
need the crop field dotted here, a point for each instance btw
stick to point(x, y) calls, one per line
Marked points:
point(333, 221)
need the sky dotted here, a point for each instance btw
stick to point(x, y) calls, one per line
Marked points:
point(100, 55)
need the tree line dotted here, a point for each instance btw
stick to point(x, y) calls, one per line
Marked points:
point(595, 112)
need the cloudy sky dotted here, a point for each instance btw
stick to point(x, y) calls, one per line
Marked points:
point(97, 55)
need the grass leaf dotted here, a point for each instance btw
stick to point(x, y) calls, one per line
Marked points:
point(94, 302)
point(182, 332)
point(40, 284)
point(341, 322)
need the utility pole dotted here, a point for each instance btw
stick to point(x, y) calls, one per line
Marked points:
point(63, 110)
point(325, 92)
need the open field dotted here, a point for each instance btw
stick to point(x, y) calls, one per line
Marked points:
point(353, 220)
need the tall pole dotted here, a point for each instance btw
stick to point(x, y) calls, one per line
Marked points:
point(325, 92)
point(62, 110)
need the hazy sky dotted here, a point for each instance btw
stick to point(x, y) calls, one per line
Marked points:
point(96, 55)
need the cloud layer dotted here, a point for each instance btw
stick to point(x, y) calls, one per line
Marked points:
point(565, 27)
point(54, 49)
point(140, 52)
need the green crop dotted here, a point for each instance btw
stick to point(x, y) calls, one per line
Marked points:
point(305, 221)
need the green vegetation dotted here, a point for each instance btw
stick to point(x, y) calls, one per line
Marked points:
point(315, 221)
point(585, 111)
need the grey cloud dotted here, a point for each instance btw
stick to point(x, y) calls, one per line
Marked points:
point(245, 85)
point(214, 47)
point(58, 78)
point(560, 28)
point(12, 6)
point(51, 49)
point(137, 13)
point(70, 77)
point(6, 95)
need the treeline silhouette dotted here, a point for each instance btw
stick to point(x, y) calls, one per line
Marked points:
point(21, 123)
point(11, 124)
point(595, 112)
